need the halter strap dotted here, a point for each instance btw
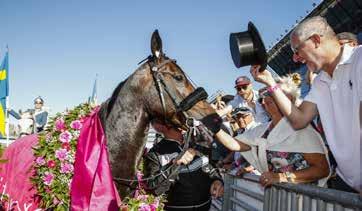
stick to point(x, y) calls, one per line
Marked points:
point(161, 86)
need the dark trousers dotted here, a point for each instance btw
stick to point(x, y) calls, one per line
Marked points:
point(338, 184)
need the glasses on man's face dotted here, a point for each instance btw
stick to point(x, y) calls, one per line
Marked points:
point(296, 48)
point(244, 87)
point(37, 103)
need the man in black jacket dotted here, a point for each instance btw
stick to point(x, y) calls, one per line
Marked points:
point(189, 186)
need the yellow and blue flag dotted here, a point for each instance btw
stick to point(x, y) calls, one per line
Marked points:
point(4, 92)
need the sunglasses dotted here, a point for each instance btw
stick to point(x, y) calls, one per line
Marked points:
point(38, 103)
point(244, 87)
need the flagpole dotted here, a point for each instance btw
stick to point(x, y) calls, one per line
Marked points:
point(7, 122)
point(7, 105)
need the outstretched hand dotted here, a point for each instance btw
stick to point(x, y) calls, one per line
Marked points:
point(264, 77)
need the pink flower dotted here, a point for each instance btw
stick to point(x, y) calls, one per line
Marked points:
point(55, 201)
point(142, 197)
point(40, 161)
point(153, 207)
point(66, 168)
point(65, 137)
point(144, 207)
point(76, 125)
point(48, 137)
point(282, 154)
point(139, 176)
point(61, 154)
point(66, 146)
point(48, 178)
point(51, 164)
point(136, 193)
point(156, 202)
point(59, 125)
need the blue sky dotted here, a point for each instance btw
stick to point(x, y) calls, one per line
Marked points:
point(57, 47)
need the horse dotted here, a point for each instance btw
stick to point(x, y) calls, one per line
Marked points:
point(158, 90)
point(26, 124)
point(126, 115)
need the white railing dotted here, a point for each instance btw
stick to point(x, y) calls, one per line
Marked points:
point(246, 194)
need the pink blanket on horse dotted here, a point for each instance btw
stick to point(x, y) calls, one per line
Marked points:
point(15, 174)
point(92, 186)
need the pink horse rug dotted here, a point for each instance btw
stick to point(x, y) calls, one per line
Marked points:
point(91, 188)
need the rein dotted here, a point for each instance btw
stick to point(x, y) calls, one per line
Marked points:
point(192, 124)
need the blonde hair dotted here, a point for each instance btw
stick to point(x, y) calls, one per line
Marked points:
point(290, 84)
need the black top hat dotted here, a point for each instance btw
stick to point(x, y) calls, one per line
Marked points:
point(247, 48)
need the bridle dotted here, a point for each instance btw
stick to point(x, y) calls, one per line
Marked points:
point(162, 88)
point(190, 123)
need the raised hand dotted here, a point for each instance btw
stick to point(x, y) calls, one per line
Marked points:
point(264, 77)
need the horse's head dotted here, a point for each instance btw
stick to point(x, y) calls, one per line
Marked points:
point(153, 92)
point(167, 87)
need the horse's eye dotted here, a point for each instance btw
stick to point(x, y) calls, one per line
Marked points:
point(178, 77)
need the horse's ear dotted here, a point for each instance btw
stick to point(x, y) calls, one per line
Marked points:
point(156, 44)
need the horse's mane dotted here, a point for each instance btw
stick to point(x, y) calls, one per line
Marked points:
point(112, 99)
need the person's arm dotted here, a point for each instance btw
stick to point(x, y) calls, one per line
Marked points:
point(222, 112)
point(213, 123)
point(15, 114)
point(318, 168)
point(298, 117)
point(230, 143)
point(152, 166)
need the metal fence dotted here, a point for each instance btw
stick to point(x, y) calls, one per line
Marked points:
point(246, 194)
point(242, 193)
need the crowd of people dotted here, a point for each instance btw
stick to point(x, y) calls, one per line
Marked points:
point(273, 132)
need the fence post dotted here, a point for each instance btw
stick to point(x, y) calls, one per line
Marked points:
point(228, 182)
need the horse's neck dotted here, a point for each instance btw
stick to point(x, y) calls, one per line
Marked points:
point(126, 127)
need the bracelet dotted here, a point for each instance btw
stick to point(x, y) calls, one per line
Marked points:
point(271, 89)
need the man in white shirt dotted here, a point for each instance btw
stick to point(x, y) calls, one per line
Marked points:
point(246, 97)
point(335, 95)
